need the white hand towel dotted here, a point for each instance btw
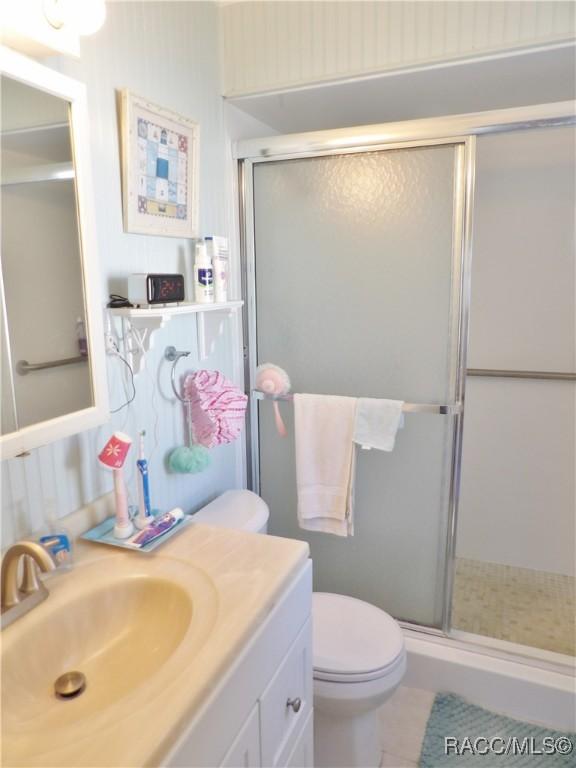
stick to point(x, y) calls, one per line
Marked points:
point(377, 422)
point(325, 463)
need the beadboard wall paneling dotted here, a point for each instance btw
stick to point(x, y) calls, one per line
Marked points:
point(274, 45)
point(167, 52)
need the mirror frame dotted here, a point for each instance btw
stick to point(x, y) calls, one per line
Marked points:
point(30, 72)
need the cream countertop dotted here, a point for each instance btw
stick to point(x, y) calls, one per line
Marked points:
point(246, 573)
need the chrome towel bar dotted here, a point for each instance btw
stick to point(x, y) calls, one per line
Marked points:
point(444, 410)
point(23, 366)
point(503, 374)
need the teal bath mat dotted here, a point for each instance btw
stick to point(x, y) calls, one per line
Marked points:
point(462, 734)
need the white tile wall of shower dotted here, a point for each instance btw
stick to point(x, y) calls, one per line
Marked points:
point(167, 52)
point(274, 45)
point(518, 484)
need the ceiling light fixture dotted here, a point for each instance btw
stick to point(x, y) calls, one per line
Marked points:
point(83, 16)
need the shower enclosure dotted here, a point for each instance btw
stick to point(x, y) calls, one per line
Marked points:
point(515, 552)
point(357, 251)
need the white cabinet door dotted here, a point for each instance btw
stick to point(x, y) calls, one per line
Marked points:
point(302, 754)
point(287, 701)
point(245, 750)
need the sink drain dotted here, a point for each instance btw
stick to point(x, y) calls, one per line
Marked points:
point(69, 685)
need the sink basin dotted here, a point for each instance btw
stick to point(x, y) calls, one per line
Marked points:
point(122, 624)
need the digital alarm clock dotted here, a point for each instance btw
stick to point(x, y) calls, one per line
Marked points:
point(161, 288)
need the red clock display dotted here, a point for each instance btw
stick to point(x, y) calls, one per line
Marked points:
point(165, 288)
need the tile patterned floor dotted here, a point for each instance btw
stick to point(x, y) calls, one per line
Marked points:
point(515, 604)
point(403, 721)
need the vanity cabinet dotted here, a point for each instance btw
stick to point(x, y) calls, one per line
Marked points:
point(287, 701)
point(245, 751)
point(260, 713)
point(302, 754)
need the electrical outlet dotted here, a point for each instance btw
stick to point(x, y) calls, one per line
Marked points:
point(111, 344)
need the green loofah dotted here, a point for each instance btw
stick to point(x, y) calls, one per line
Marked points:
point(189, 460)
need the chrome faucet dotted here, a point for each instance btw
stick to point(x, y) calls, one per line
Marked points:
point(19, 597)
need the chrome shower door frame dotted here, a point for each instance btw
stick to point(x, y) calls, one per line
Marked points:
point(458, 314)
point(459, 131)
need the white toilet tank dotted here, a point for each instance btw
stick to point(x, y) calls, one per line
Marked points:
point(242, 510)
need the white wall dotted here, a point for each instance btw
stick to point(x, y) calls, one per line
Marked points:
point(168, 52)
point(518, 483)
point(273, 45)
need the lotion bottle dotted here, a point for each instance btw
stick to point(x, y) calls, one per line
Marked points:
point(81, 336)
point(203, 275)
point(219, 248)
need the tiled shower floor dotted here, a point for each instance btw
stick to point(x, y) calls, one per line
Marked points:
point(515, 604)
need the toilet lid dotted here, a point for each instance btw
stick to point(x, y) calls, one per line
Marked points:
point(352, 637)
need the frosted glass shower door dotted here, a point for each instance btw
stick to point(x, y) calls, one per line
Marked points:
point(356, 271)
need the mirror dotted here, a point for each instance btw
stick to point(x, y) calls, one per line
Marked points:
point(44, 344)
point(49, 352)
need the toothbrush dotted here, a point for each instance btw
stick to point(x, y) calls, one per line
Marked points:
point(144, 517)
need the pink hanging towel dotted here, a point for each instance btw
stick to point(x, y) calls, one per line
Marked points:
point(217, 408)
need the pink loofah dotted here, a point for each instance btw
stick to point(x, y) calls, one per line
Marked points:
point(217, 408)
point(273, 380)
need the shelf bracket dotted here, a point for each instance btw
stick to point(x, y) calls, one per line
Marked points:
point(209, 327)
point(138, 334)
point(139, 326)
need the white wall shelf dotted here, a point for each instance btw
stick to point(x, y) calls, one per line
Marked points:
point(139, 325)
point(169, 310)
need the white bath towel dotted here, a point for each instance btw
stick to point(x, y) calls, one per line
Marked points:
point(325, 462)
point(377, 422)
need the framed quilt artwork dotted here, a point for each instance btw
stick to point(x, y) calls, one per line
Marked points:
point(159, 169)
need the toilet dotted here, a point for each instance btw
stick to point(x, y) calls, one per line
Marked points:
point(242, 510)
point(359, 656)
point(359, 661)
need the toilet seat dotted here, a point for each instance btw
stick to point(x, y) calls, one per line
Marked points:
point(352, 677)
point(354, 641)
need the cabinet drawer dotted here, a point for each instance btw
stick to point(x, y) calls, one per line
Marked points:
point(287, 701)
point(245, 749)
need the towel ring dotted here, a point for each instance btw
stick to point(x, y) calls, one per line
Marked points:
point(174, 355)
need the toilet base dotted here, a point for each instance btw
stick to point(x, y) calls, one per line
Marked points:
point(346, 742)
